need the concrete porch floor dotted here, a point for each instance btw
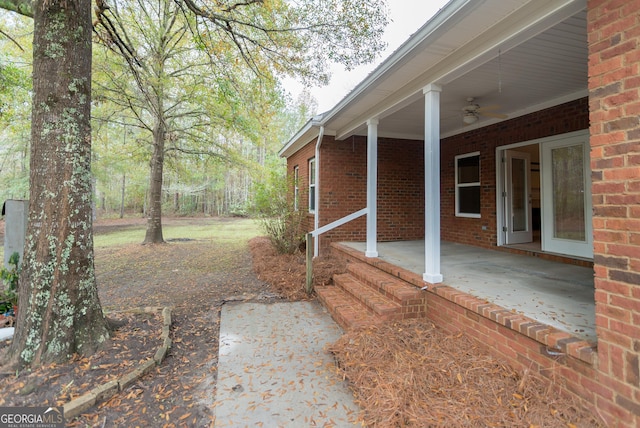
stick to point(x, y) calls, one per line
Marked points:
point(553, 293)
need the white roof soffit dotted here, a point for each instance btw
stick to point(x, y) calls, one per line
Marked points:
point(463, 35)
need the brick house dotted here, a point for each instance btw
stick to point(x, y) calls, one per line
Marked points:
point(510, 126)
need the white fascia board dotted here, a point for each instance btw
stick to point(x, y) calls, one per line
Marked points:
point(441, 22)
point(290, 147)
point(309, 131)
point(527, 22)
point(431, 29)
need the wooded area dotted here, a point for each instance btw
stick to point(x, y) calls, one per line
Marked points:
point(220, 142)
point(206, 97)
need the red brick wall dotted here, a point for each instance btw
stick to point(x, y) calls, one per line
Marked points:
point(400, 190)
point(343, 187)
point(343, 184)
point(569, 117)
point(614, 85)
point(343, 178)
point(301, 160)
point(567, 373)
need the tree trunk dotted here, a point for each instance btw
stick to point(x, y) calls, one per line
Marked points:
point(154, 218)
point(60, 312)
point(124, 177)
point(204, 201)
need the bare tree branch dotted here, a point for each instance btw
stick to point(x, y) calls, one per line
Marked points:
point(240, 4)
point(12, 39)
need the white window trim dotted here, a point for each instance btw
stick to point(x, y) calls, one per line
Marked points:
point(296, 188)
point(312, 184)
point(458, 186)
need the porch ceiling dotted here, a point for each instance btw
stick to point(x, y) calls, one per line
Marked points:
point(543, 65)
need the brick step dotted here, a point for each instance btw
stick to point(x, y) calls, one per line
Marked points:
point(374, 301)
point(391, 287)
point(348, 312)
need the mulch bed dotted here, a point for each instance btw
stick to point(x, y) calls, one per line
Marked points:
point(411, 373)
point(53, 385)
point(286, 273)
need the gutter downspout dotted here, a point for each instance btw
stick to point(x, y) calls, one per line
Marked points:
point(316, 214)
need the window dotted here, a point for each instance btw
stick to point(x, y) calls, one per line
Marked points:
point(468, 185)
point(312, 185)
point(296, 189)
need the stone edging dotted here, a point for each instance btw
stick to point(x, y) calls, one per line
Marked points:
point(103, 392)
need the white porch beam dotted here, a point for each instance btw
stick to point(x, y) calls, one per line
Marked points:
point(372, 188)
point(432, 184)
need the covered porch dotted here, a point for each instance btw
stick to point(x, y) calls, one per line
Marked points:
point(556, 294)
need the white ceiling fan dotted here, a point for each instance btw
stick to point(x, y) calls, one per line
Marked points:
point(472, 112)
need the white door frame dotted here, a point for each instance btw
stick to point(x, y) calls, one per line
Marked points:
point(550, 242)
point(501, 224)
point(500, 181)
point(526, 235)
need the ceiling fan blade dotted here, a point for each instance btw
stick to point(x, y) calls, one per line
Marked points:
point(496, 115)
point(491, 107)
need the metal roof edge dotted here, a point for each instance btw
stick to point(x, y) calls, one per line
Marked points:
point(427, 30)
point(305, 134)
point(430, 29)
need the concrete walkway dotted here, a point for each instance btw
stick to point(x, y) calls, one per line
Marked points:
point(273, 370)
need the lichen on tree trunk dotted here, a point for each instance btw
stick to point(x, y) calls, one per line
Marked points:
point(60, 312)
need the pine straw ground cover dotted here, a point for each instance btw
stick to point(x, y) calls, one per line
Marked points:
point(413, 374)
point(286, 273)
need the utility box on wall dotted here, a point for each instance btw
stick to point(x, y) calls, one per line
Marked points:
point(16, 213)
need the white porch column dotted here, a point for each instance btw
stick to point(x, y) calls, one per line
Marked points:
point(372, 188)
point(432, 184)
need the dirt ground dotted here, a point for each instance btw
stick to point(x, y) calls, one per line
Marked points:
point(196, 278)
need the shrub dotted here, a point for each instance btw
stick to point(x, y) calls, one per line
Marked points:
point(9, 276)
point(278, 217)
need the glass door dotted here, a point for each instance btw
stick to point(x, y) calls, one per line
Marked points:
point(517, 198)
point(566, 203)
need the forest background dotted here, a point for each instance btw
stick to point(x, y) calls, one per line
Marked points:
point(224, 140)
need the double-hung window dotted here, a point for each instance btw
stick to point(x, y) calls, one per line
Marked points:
point(468, 185)
point(312, 185)
point(296, 188)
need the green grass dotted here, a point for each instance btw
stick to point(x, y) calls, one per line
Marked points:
point(222, 230)
point(126, 236)
point(233, 230)
point(226, 229)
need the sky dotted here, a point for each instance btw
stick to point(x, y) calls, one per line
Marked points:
point(406, 16)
